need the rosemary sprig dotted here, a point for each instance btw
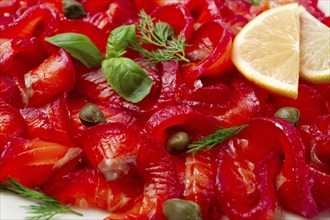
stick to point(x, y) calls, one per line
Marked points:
point(214, 139)
point(162, 35)
point(46, 208)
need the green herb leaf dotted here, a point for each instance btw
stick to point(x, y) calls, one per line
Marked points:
point(254, 2)
point(127, 78)
point(162, 35)
point(119, 39)
point(79, 46)
point(214, 139)
point(46, 208)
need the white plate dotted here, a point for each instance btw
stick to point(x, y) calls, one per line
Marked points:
point(11, 205)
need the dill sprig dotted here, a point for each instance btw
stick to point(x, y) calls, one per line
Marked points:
point(46, 208)
point(214, 139)
point(45, 211)
point(162, 35)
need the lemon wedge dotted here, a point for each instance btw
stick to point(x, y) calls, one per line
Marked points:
point(266, 50)
point(314, 48)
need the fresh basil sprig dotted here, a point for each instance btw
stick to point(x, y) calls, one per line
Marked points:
point(119, 40)
point(79, 46)
point(124, 75)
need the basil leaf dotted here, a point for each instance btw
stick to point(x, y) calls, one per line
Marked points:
point(254, 2)
point(79, 46)
point(119, 39)
point(127, 78)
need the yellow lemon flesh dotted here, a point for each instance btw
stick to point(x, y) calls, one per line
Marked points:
point(266, 50)
point(314, 49)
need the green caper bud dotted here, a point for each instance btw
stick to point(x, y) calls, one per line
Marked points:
point(90, 115)
point(180, 209)
point(73, 9)
point(290, 114)
point(177, 142)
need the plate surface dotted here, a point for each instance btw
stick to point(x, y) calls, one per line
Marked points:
point(11, 205)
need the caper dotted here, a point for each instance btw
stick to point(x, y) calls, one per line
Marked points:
point(73, 9)
point(177, 142)
point(180, 209)
point(90, 115)
point(290, 114)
